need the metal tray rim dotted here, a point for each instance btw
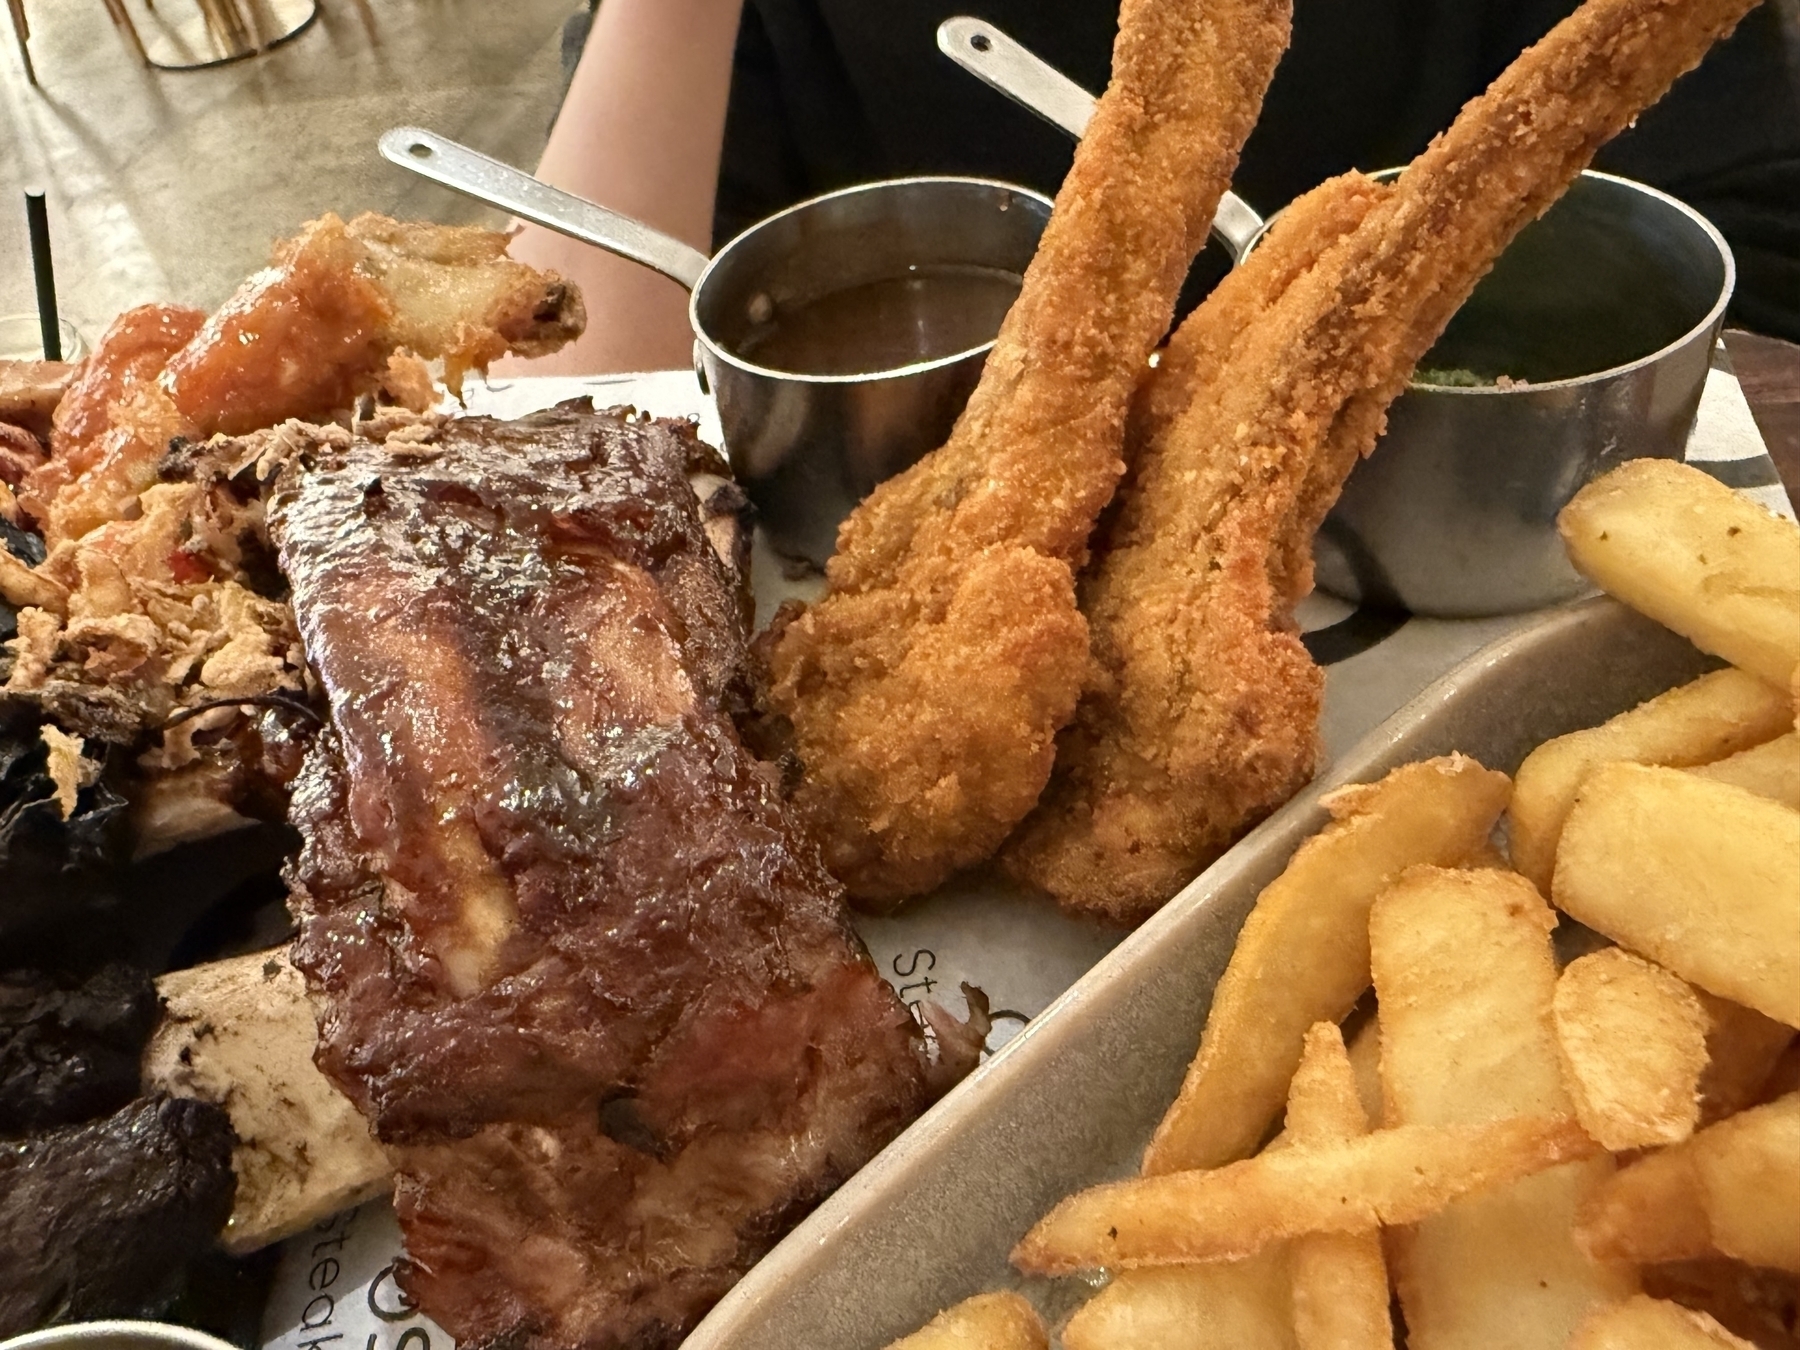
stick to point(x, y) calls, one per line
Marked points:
point(813, 1246)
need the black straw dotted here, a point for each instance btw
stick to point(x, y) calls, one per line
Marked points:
point(38, 219)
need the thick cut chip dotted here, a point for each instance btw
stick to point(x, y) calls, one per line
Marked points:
point(1715, 716)
point(1642, 1323)
point(1649, 1212)
point(1228, 1305)
point(1388, 1177)
point(1677, 544)
point(1340, 1279)
point(1633, 1042)
point(1749, 1170)
point(1465, 976)
point(1734, 1187)
point(985, 1322)
point(1464, 973)
point(1770, 770)
point(1303, 955)
point(1365, 1063)
point(1701, 877)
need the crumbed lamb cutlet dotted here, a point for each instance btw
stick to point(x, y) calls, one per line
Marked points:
point(572, 958)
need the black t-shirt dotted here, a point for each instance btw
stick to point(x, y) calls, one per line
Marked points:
point(827, 93)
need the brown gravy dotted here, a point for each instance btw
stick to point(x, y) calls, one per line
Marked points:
point(928, 312)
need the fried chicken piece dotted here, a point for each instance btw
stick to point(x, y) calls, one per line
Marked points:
point(129, 357)
point(925, 690)
point(305, 336)
point(1207, 717)
point(300, 339)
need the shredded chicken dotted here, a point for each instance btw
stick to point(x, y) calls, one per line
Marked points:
point(158, 618)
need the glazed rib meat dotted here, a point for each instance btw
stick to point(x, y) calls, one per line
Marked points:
point(572, 957)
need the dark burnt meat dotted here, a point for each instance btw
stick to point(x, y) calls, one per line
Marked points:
point(69, 1050)
point(56, 873)
point(100, 1220)
point(574, 960)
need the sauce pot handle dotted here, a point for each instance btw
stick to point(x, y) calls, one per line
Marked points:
point(488, 180)
point(1033, 83)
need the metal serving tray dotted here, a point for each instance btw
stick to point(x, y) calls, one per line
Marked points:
point(1074, 1098)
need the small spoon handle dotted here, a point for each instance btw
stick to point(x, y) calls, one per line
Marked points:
point(1018, 72)
point(1033, 83)
point(488, 180)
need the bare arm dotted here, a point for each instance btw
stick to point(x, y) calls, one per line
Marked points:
point(640, 132)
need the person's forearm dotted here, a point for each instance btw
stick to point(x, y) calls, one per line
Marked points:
point(640, 132)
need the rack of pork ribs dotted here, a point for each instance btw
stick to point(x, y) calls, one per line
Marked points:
point(574, 961)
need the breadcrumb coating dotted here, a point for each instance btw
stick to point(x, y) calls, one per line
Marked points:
point(925, 690)
point(1206, 716)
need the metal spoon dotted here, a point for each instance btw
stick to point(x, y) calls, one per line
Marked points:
point(1034, 84)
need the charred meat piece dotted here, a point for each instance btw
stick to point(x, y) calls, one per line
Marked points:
point(100, 1220)
point(69, 1050)
point(573, 958)
point(58, 870)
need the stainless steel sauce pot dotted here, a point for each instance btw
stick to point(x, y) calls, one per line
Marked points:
point(1607, 308)
point(117, 1335)
point(806, 448)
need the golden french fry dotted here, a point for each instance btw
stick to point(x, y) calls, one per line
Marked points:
point(1733, 1187)
point(1702, 877)
point(1388, 1177)
point(1340, 1279)
point(1678, 545)
point(1228, 1305)
point(1365, 1063)
point(985, 1322)
point(1742, 1049)
point(1633, 1043)
point(1303, 954)
point(1647, 1213)
point(1465, 977)
point(1749, 1170)
point(1770, 770)
point(1641, 1323)
point(1716, 715)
